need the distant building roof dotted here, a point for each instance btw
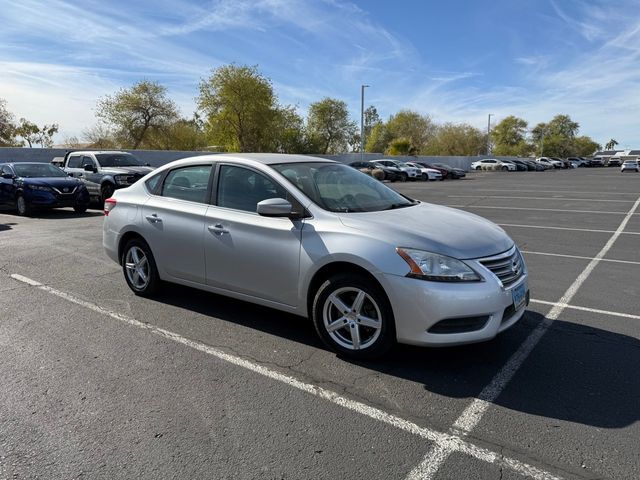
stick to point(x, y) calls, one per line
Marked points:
point(607, 152)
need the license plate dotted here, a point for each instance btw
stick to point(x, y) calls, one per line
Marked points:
point(519, 296)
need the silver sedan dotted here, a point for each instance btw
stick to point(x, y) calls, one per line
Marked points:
point(322, 240)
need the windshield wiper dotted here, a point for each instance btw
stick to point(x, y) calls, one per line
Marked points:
point(394, 206)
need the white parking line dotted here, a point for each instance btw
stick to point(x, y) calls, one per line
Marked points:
point(592, 200)
point(449, 441)
point(538, 209)
point(554, 191)
point(472, 415)
point(579, 257)
point(590, 310)
point(544, 227)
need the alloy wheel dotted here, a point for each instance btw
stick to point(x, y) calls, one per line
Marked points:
point(352, 318)
point(137, 267)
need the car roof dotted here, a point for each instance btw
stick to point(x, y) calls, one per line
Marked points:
point(119, 152)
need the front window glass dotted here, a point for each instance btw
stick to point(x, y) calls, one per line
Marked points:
point(242, 189)
point(74, 161)
point(188, 183)
point(339, 188)
point(38, 170)
point(87, 161)
point(118, 160)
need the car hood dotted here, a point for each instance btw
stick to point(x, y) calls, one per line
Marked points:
point(434, 228)
point(56, 182)
point(141, 171)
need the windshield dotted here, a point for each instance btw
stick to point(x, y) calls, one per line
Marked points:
point(118, 160)
point(37, 170)
point(339, 188)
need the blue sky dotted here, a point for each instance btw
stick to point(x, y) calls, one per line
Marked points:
point(454, 60)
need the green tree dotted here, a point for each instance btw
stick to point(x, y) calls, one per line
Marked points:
point(418, 129)
point(371, 119)
point(584, 146)
point(288, 133)
point(240, 108)
point(100, 136)
point(456, 139)
point(509, 137)
point(329, 125)
point(32, 134)
point(7, 127)
point(134, 112)
point(555, 138)
point(611, 144)
point(182, 134)
point(400, 146)
point(378, 139)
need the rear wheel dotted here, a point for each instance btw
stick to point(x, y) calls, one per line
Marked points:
point(139, 268)
point(353, 316)
point(24, 209)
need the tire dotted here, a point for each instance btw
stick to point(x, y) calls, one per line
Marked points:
point(137, 259)
point(504, 169)
point(106, 191)
point(23, 208)
point(403, 177)
point(372, 340)
point(424, 177)
point(478, 168)
point(80, 208)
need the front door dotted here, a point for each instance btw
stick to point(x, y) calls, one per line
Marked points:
point(246, 252)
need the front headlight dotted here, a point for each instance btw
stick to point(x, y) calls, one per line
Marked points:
point(122, 179)
point(437, 268)
point(43, 188)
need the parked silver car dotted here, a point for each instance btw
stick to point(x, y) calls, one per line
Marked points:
point(320, 239)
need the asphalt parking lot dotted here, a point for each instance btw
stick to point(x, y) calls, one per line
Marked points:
point(99, 383)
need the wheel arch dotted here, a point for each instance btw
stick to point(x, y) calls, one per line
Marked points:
point(334, 268)
point(126, 238)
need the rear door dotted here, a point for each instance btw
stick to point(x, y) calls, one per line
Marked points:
point(7, 186)
point(173, 222)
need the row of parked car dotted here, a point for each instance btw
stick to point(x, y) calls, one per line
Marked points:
point(395, 170)
point(538, 165)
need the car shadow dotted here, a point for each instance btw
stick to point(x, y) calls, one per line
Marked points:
point(6, 226)
point(64, 214)
point(576, 373)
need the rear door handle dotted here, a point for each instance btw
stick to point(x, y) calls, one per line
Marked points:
point(154, 218)
point(218, 229)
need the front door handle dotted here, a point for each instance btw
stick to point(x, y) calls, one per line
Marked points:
point(218, 229)
point(154, 218)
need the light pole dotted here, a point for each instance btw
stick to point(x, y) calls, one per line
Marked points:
point(489, 134)
point(362, 87)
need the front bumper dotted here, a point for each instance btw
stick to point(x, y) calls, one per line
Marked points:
point(418, 305)
point(46, 199)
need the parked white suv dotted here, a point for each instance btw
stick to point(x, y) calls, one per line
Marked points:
point(497, 164)
point(427, 173)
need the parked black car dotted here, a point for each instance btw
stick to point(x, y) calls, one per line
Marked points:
point(390, 173)
point(452, 172)
point(368, 167)
point(29, 185)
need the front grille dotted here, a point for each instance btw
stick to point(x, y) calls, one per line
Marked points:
point(70, 190)
point(507, 266)
point(460, 325)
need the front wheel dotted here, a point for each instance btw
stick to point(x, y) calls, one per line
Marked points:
point(425, 177)
point(504, 169)
point(403, 177)
point(353, 316)
point(139, 268)
point(24, 209)
point(80, 208)
point(106, 191)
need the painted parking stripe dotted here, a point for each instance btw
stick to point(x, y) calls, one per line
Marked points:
point(472, 415)
point(554, 191)
point(450, 442)
point(590, 310)
point(579, 257)
point(539, 209)
point(544, 227)
point(541, 198)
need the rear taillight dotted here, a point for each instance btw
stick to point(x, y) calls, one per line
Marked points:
point(109, 204)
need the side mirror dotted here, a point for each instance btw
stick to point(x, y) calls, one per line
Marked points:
point(90, 168)
point(70, 174)
point(8, 176)
point(274, 207)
